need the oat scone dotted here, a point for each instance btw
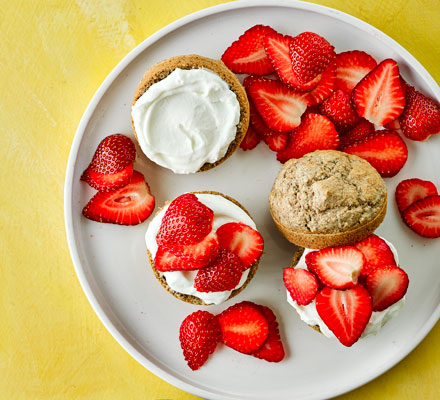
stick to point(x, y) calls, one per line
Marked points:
point(327, 198)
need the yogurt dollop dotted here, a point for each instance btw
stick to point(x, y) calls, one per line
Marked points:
point(186, 120)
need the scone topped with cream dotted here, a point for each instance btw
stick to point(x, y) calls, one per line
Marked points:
point(189, 113)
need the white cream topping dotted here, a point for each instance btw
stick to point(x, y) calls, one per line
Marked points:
point(183, 281)
point(378, 319)
point(186, 120)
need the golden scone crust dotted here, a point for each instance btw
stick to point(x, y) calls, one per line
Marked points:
point(163, 68)
point(192, 299)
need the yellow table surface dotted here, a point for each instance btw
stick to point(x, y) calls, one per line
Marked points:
point(53, 56)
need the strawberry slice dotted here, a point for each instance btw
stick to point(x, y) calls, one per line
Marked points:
point(325, 86)
point(345, 312)
point(376, 252)
point(423, 216)
point(410, 190)
point(276, 141)
point(247, 55)
point(107, 182)
point(380, 97)
point(338, 267)
point(199, 335)
point(339, 109)
point(203, 252)
point(316, 132)
point(280, 106)
point(257, 122)
point(387, 284)
point(272, 349)
point(384, 150)
point(251, 139)
point(394, 125)
point(242, 240)
point(166, 261)
point(244, 327)
point(421, 116)
point(363, 129)
point(129, 205)
point(351, 67)
point(301, 284)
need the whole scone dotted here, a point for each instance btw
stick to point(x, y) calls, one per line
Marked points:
point(327, 198)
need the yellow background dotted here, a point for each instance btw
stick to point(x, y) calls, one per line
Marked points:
point(53, 56)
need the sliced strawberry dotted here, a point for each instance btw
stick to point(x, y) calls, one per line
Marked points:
point(345, 312)
point(394, 125)
point(338, 267)
point(247, 55)
point(387, 284)
point(251, 139)
point(325, 86)
point(376, 252)
point(107, 182)
point(316, 132)
point(244, 327)
point(129, 205)
point(301, 284)
point(421, 116)
point(203, 252)
point(166, 261)
point(351, 67)
point(186, 221)
point(280, 106)
point(410, 190)
point(272, 349)
point(339, 109)
point(242, 240)
point(362, 129)
point(423, 216)
point(384, 150)
point(276, 141)
point(199, 335)
point(380, 97)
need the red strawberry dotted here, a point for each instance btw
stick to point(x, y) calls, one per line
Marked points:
point(107, 182)
point(339, 109)
point(244, 327)
point(361, 130)
point(272, 349)
point(316, 132)
point(410, 190)
point(394, 125)
point(241, 240)
point(166, 261)
point(276, 141)
point(423, 216)
point(338, 267)
point(351, 67)
point(280, 106)
point(223, 274)
point(310, 54)
point(376, 252)
point(387, 284)
point(251, 139)
point(380, 97)
point(345, 312)
point(199, 334)
point(246, 55)
point(186, 221)
point(421, 116)
point(129, 205)
point(384, 150)
point(203, 252)
point(301, 284)
point(325, 86)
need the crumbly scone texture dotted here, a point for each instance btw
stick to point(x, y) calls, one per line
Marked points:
point(163, 68)
point(193, 299)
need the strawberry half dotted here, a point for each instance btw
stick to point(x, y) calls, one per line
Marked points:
point(380, 97)
point(339, 109)
point(345, 312)
point(423, 216)
point(301, 284)
point(242, 240)
point(410, 190)
point(376, 252)
point(276, 141)
point(251, 139)
point(325, 86)
point(107, 182)
point(166, 261)
point(199, 334)
point(129, 205)
point(316, 132)
point(384, 150)
point(337, 267)
point(244, 327)
point(203, 252)
point(387, 284)
point(363, 129)
point(247, 55)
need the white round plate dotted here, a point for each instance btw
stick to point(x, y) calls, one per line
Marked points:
point(111, 260)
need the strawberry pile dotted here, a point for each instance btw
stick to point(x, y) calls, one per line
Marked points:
point(123, 196)
point(347, 284)
point(246, 327)
point(305, 97)
point(186, 241)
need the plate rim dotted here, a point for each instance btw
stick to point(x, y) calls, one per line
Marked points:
point(77, 139)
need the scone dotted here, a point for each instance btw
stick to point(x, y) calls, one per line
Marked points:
point(203, 247)
point(189, 113)
point(327, 198)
